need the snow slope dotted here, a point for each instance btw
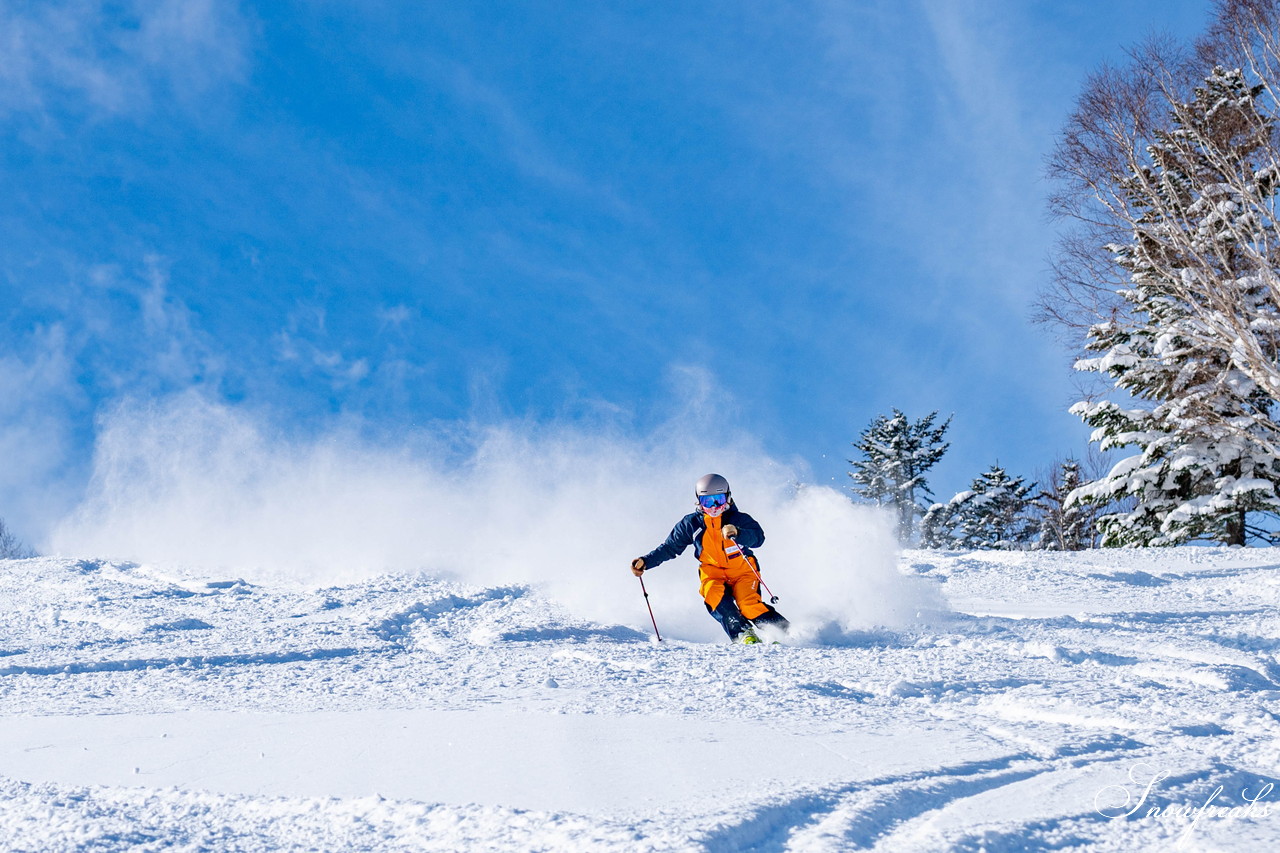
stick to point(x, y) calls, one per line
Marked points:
point(147, 708)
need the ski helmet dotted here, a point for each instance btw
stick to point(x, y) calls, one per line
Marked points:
point(713, 495)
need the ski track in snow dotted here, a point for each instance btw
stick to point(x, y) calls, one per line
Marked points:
point(149, 708)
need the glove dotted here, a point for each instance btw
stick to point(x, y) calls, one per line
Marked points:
point(729, 531)
point(637, 566)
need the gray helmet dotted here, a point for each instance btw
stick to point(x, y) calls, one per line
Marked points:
point(712, 484)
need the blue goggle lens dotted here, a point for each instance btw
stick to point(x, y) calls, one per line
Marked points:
point(713, 501)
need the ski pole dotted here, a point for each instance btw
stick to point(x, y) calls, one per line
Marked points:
point(773, 599)
point(650, 606)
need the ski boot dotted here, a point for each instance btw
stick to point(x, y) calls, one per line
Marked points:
point(771, 626)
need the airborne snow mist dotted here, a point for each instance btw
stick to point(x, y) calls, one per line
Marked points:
point(202, 484)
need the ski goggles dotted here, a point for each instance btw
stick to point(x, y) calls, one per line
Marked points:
point(712, 501)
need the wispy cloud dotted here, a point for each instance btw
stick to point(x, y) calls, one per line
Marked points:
point(972, 43)
point(136, 332)
point(120, 334)
point(117, 58)
point(37, 441)
point(304, 342)
point(525, 147)
point(393, 317)
point(990, 116)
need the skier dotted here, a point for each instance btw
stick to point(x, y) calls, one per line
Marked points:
point(722, 537)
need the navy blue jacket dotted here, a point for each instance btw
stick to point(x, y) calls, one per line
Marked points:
point(688, 531)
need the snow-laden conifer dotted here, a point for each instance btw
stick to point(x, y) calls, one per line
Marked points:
point(938, 527)
point(993, 514)
point(1189, 404)
point(1064, 525)
point(896, 455)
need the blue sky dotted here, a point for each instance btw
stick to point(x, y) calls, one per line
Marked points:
point(424, 213)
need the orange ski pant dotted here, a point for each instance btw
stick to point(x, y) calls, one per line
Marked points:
point(741, 579)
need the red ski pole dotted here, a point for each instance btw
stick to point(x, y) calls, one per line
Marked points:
point(650, 606)
point(773, 599)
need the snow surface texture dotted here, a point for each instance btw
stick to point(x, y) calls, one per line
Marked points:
point(147, 708)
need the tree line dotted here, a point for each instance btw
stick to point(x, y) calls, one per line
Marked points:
point(997, 511)
point(1167, 287)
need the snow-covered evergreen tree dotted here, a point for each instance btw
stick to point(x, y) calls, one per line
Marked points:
point(896, 456)
point(938, 527)
point(1201, 425)
point(993, 514)
point(1064, 526)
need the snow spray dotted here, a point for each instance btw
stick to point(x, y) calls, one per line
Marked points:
point(565, 509)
